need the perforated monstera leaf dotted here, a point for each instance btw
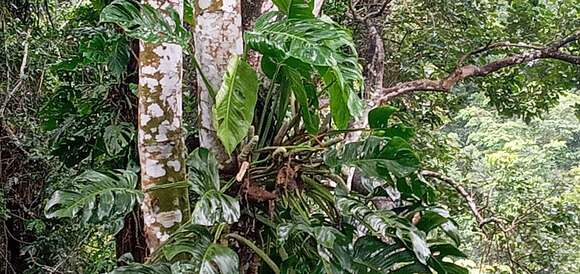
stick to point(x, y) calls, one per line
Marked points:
point(101, 198)
point(213, 206)
point(234, 103)
point(189, 250)
point(322, 48)
point(146, 23)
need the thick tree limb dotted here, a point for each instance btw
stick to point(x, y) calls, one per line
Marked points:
point(552, 51)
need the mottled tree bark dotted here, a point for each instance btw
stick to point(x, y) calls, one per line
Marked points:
point(218, 35)
point(161, 146)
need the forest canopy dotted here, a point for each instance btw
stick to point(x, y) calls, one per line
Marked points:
point(290, 136)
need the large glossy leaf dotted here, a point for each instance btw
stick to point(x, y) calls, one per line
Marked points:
point(295, 8)
point(376, 157)
point(387, 224)
point(101, 198)
point(146, 23)
point(234, 103)
point(213, 206)
point(191, 250)
point(378, 118)
point(325, 49)
point(372, 255)
point(203, 171)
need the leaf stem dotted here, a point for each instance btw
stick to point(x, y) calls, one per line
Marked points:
point(266, 102)
point(256, 249)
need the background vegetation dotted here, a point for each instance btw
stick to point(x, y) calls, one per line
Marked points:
point(511, 139)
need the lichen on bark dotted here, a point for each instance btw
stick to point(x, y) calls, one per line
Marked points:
point(161, 145)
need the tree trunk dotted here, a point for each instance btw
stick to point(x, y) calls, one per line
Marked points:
point(161, 145)
point(218, 35)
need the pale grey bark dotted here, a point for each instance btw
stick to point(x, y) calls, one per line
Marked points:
point(161, 145)
point(218, 36)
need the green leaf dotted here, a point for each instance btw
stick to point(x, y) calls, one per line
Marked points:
point(101, 198)
point(234, 103)
point(308, 111)
point(146, 23)
point(117, 137)
point(189, 250)
point(203, 171)
point(378, 118)
point(372, 255)
point(188, 12)
point(376, 157)
point(387, 224)
point(213, 206)
point(119, 57)
point(219, 259)
point(299, 9)
point(324, 49)
point(338, 102)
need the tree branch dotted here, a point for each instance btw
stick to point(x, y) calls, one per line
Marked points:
point(462, 72)
point(466, 195)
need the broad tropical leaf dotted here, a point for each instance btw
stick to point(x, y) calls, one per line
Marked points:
point(376, 157)
point(203, 171)
point(117, 137)
point(101, 198)
point(234, 103)
point(191, 246)
point(213, 206)
point(324, 49)
point(387, 224)
point(146, 23)
point(372, 255)
point(296, 8)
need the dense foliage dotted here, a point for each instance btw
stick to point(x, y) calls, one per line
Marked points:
point(69, 165)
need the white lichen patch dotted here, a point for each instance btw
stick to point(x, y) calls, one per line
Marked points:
point(155, 110)
point(176, 165)
point(204, 4)
point(170, 218)
point(144, 119)
point(154, 169)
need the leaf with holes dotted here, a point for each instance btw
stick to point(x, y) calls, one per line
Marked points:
point(101, 198)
